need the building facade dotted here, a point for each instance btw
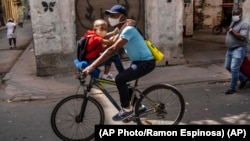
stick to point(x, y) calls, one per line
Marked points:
point(57, 24)
point(11, 9)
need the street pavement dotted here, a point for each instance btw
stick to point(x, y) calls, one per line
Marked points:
point(204, 54)
point(202, 80)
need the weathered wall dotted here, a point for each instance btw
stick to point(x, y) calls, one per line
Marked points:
point(188, 17)
point(89, 10)
point(246, 10)
point(53, 23)
point(207, 13)
point(164, 27)
point(212, 13)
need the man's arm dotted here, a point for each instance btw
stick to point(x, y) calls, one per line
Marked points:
point(107, 42)
point(240, 35)
point(14, 29)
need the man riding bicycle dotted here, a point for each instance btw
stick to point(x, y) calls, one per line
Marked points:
point(142, 60)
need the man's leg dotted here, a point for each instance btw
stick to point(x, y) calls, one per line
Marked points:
point(14, 41)
point(228, 60)
point(10, 43)
point(136, 70)
point(238, 55)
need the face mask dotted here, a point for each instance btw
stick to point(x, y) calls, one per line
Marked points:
point(101, 33)
point(236, 18)
point(114, 22)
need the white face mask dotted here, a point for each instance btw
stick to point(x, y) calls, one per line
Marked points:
point(114, 22)
point(101, 33)
point(236, 18)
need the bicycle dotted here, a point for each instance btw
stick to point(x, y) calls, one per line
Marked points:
point(74, 117)
point(219, 28)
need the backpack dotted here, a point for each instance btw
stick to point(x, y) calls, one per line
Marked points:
point(81, 48)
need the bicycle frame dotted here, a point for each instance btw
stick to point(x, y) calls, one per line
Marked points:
point(97, 82)
point(77, 113)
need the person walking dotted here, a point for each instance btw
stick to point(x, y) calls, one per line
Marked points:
point(236, 43)
point(11, 35)
point(142, 60)
point(20, 20)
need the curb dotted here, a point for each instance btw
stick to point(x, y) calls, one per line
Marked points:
point(35, 97)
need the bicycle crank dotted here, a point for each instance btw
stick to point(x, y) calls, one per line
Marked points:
point(128, 119)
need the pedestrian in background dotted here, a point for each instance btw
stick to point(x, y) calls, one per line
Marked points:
point(236, 43)
point(20, 20)
point(11, 35)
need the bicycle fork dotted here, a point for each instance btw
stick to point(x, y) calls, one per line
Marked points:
point(79, 118)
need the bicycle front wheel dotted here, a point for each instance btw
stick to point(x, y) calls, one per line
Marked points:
point(70, 123)
point(161, 104)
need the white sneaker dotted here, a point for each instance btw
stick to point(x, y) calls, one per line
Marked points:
point(108, 77)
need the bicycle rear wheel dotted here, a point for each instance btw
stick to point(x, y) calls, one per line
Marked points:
point(164, 105)
point(66, 120)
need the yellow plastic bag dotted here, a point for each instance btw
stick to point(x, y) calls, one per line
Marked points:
point(158, 55)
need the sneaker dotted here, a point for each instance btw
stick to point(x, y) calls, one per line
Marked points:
point(122, 115)
point(229, 91)
point(108, 77)
point(243, 84)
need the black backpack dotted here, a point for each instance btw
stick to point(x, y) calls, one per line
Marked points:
point(81, 48)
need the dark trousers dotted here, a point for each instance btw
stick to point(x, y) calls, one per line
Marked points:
point(136, 70)
point(14, 41)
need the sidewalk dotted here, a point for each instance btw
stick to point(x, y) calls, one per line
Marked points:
point(23, 84)
point(9, 57)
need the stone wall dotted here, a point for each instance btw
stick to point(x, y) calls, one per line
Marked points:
point(188, 24)
point(164, 27)
point(246, 17)
point(53, 23)
point(87, 11)
point(54, 27)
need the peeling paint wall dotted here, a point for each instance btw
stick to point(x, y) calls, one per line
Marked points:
point(188, 18)
point(165, 31)
point(246, 11)
point(53, 23)
point(212, 10)
point(207, 13)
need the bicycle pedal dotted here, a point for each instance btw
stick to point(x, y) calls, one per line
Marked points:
point(128, 119)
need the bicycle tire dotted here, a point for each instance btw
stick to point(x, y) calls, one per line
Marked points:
point(64, 118)
point(171, 106)
point(217, 29)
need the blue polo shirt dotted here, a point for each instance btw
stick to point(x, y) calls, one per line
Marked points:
point(136, 48)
